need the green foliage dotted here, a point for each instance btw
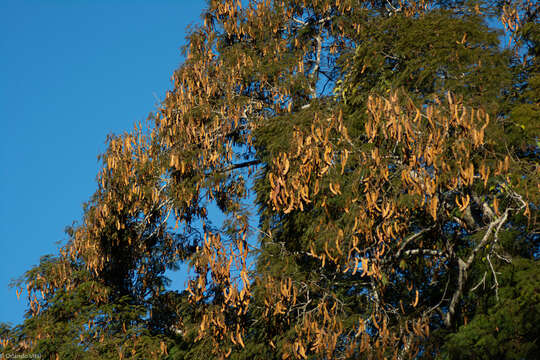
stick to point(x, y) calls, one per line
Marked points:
point(508, 329)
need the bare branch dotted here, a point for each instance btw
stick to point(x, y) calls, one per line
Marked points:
point(483, 281)
point(496, 285)
point(238, 166)
point(315, 73)
point(464, 267)
point(411, 239)
point(423, 252)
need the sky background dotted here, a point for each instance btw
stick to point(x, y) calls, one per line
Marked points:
point(71, 72)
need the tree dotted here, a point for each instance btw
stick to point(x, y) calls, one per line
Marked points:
point(390, 148)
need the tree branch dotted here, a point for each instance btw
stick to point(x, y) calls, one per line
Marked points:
point(315, 74)
point(411, 239)
point(423, 252)
point(238, 166)
point(465, 265)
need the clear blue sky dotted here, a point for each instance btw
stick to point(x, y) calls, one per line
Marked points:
point(70, 73)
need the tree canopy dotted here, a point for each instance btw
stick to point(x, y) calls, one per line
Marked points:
point(376, 163)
